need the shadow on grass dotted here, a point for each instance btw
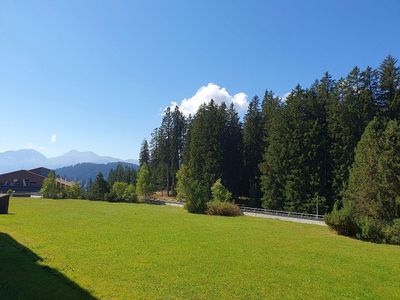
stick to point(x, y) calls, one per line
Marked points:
point(22, 277)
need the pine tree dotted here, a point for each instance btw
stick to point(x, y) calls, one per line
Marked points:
point(389, 87)
point(374, 183)
point(177, 144)
point(253, 148)
point(351, 108)
point(371, 203)
point(99, 188)
point(232, 145)
point(144, 157)
point(165, 135)
point(205, 149)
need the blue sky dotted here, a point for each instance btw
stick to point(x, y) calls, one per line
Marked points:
point(94, 75)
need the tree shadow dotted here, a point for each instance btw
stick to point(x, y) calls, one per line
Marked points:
point(22, 277)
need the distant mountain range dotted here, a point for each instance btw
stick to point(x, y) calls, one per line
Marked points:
point(83, 172)
point(29, 159)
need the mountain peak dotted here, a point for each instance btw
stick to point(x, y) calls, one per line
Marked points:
point(30, 158)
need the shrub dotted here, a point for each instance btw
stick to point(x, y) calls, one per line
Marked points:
point(219, 208)
point(183, 181)
point(144, 187)
point(130, 193)
point(10, 191)
point(220, 193)
point(74, 191)
point(392, 232)
point(196, 197)
point(370, 230)
point(342, 220)
point(110, 197)
point(118, 189)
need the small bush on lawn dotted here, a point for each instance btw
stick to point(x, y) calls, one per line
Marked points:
point(196, 197)
point(218, 208)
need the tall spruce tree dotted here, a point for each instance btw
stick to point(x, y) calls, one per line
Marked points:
point(232, 144)
point(177, 144)
point(144, 156)
point(389, 86)
point(205, 148)
point(351, 108)
point(253, 148)
point(371, 203)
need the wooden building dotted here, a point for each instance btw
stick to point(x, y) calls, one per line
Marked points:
point(27, 181)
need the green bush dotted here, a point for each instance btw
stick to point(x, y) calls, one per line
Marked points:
point(220, 193)
point(110, 197)
point(130, 193)
point(370, 230)
point(218, 208)
point(10, 191)
point(392, 232)
point(342, 221)
point(196, 197)
point(118, 189)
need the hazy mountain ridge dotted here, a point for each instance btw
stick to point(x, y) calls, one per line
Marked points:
point(29, 159)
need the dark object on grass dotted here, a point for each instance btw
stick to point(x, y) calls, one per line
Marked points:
point(4, 200)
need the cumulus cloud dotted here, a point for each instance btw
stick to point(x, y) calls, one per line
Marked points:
point(208, 92)
point(53, 138)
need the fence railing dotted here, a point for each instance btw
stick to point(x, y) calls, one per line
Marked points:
point(271, 212)
point(281, 213)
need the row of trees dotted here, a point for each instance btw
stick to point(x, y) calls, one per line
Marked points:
point(123, 185)
point(292, 154)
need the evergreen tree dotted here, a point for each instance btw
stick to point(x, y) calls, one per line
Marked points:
point(253, 148)
point(49, 188)
point(374, 182)
point(122, 173)
point(371, 203)
point(389, 87)
point(205, 148)
point(232, 145)
point(99, 188)
point(351, 108)
point(165, 134)
point(143, 186)
point(177, 144)
point(144, 157)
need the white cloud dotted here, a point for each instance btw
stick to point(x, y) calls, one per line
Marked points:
point(53, 138)
point(215, 92)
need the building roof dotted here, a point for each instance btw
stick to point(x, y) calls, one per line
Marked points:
point(39, 174)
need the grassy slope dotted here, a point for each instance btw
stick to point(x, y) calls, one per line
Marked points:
point(125, 251)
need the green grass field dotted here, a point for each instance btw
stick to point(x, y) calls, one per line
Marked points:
point(72, 249)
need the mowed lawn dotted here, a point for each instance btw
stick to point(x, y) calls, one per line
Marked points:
point(71, 249)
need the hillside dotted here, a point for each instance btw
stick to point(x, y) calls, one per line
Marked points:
point(83, 172)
